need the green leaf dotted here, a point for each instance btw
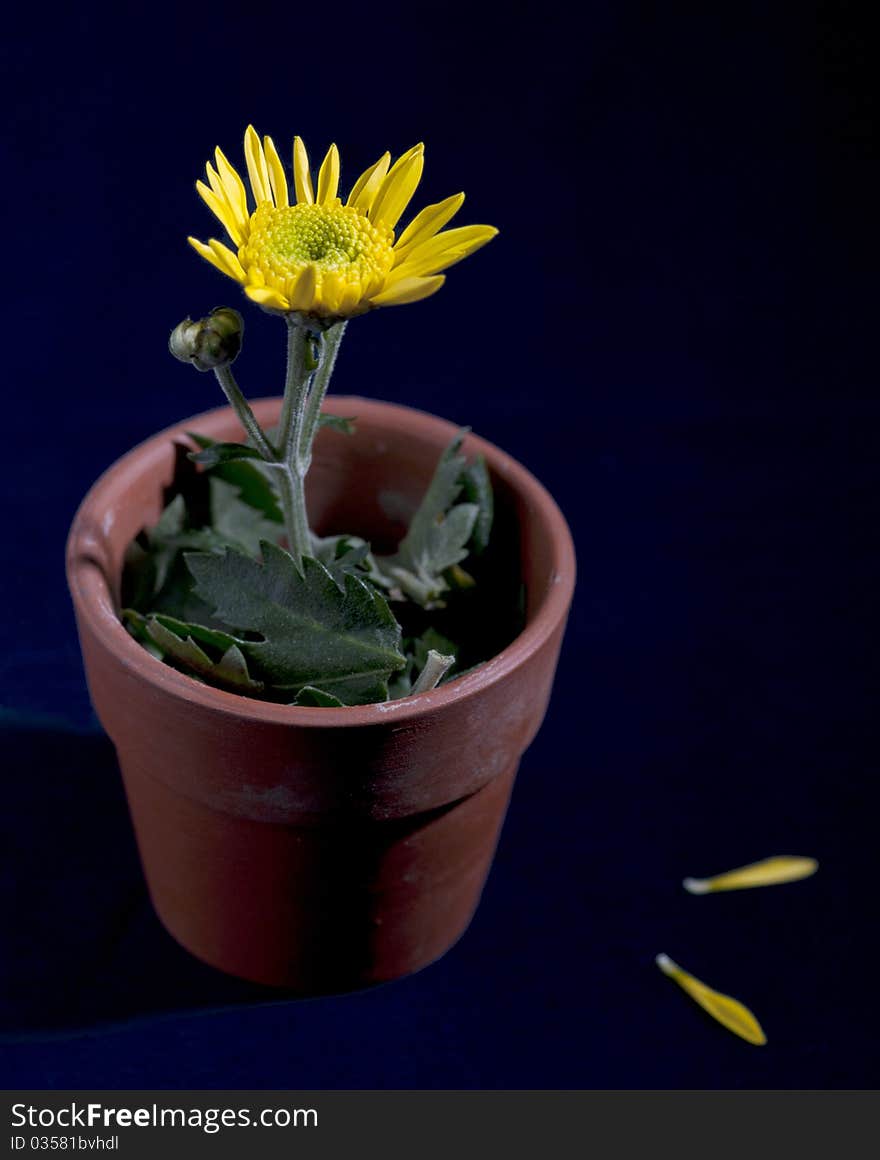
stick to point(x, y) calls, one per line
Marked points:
point(171, 522)
point(317, 697)
point(236, 523)
point(477, 489)
point(442, 492)
point(341, 554)
point(217, 453)
point(344, 641)
point(448, 539)
point(149, 560)
point(437, 537)
point(213, 638)
point(179, 642)
point(136, 625)
point(337, 423)
point(251, 477)
point(156, 579)
point(176, 641)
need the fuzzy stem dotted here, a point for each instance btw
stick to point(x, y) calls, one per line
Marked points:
point(329, 350)
point(436, 667)
point(300, 365)
point(242, 408)
point(296, 521)
point(304, 390)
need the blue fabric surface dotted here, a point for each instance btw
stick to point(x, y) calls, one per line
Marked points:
point(672, 332)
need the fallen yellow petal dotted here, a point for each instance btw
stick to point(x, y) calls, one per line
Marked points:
point(769, 872)
point(730, 1013)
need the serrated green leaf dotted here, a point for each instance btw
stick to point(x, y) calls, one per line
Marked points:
point(337, 423)
point(167, 637)
point(172, 589)
point(251, 477)
point(178, 643)
point(136, 625)
point(341, 554)
point(138, 574)
point(177, 597)
point(218, 453)
point(171, 522)
point(477, 489)
point(213, 638)
point(442, 492)
point(437, 537)
point(155, 578)
point(236, 523)
point(344, 641)
point(447, 545)
point(149, 560)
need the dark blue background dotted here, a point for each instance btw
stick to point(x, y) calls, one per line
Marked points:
point(672, 332)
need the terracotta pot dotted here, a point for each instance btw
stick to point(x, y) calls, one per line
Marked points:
point(318, 849)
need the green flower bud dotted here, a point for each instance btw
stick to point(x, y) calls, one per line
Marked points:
point(209, 343)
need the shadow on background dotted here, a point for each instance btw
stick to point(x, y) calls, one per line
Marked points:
point(82, 944)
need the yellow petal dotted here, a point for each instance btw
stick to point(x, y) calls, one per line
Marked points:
point(405, 157)
point(425, 224)
point(302, 179)
point(350, 298)
point(328, 177)
point(233, 186)
point(266, 296)
point(302, 296)
point(730, 1013)
point(332, 290)
point(209, 255)
point(408, 290)
point(231, 264)
point(768, 872)
point(364, 190)
point(397, 189)
point(443, 251)
point(258, 171)
point(214, 180)
point(277, 179)
point(220, 208)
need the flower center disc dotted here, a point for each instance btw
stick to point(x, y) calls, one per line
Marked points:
point(334, 238)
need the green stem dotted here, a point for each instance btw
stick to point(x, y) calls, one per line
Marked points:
point(304, 389)
point(300, 365)
point(436, 667)
point(330, 349)
point(242, 408)
point(296, 520)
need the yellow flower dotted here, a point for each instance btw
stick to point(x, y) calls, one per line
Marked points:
point(321, 258)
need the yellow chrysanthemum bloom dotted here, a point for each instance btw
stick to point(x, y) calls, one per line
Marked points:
point(319, 257)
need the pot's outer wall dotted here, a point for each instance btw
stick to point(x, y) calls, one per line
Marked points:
point(277, 763)
point(318, 849)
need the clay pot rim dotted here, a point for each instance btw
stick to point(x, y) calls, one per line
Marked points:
point(87, 580)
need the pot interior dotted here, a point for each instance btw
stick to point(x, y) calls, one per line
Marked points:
point(367, 484)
